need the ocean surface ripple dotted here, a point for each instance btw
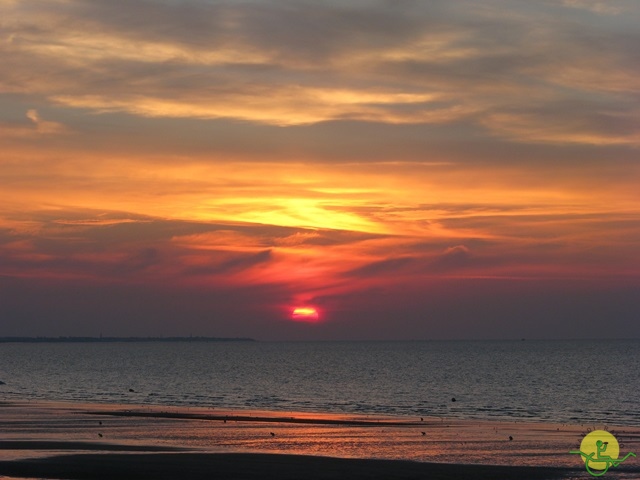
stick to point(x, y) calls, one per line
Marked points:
point(562, 381)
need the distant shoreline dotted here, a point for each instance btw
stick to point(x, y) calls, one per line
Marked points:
point(119, 339)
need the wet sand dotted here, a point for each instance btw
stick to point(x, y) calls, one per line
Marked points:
point(94, 441)
point(256, 466)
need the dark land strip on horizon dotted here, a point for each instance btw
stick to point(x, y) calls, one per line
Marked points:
point(120, 339)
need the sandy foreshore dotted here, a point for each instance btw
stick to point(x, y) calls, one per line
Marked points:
point(95, 441)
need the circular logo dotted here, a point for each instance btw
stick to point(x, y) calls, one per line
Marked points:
point(600, 447)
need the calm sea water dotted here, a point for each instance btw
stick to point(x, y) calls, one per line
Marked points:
point(564, 381)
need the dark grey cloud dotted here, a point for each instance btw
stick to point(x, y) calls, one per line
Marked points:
point(225, 59)
point(452, 258)
point(231, 262)
point(381, 268)
point(123, 245)
point(433, 262)
point(301, 30)
point(139, 261)
point(129, 247)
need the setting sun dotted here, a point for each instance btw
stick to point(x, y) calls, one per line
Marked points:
point(304, 314)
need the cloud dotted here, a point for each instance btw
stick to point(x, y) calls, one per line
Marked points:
point(595, 6)
point(455, 257)
point(140, 260)
point(289, 64)
point(277, 105)
point(43, 126)
point(324, 238)
point(36, 127)
point(119, 246)
point(231, 263)
point(426, 263)
point(566, 126)
point(385, 267)
point(269, 152)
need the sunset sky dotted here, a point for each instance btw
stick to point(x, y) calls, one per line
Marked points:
point(408, 169)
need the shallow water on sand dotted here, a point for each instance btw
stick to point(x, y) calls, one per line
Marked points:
point(564, 381)
point(31, 430)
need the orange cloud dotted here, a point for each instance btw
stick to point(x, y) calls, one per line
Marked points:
point(375, 158)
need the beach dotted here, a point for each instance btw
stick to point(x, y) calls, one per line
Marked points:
point(253, 466)
point(100, 441)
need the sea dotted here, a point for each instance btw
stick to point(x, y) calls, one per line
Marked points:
point(581, 381)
